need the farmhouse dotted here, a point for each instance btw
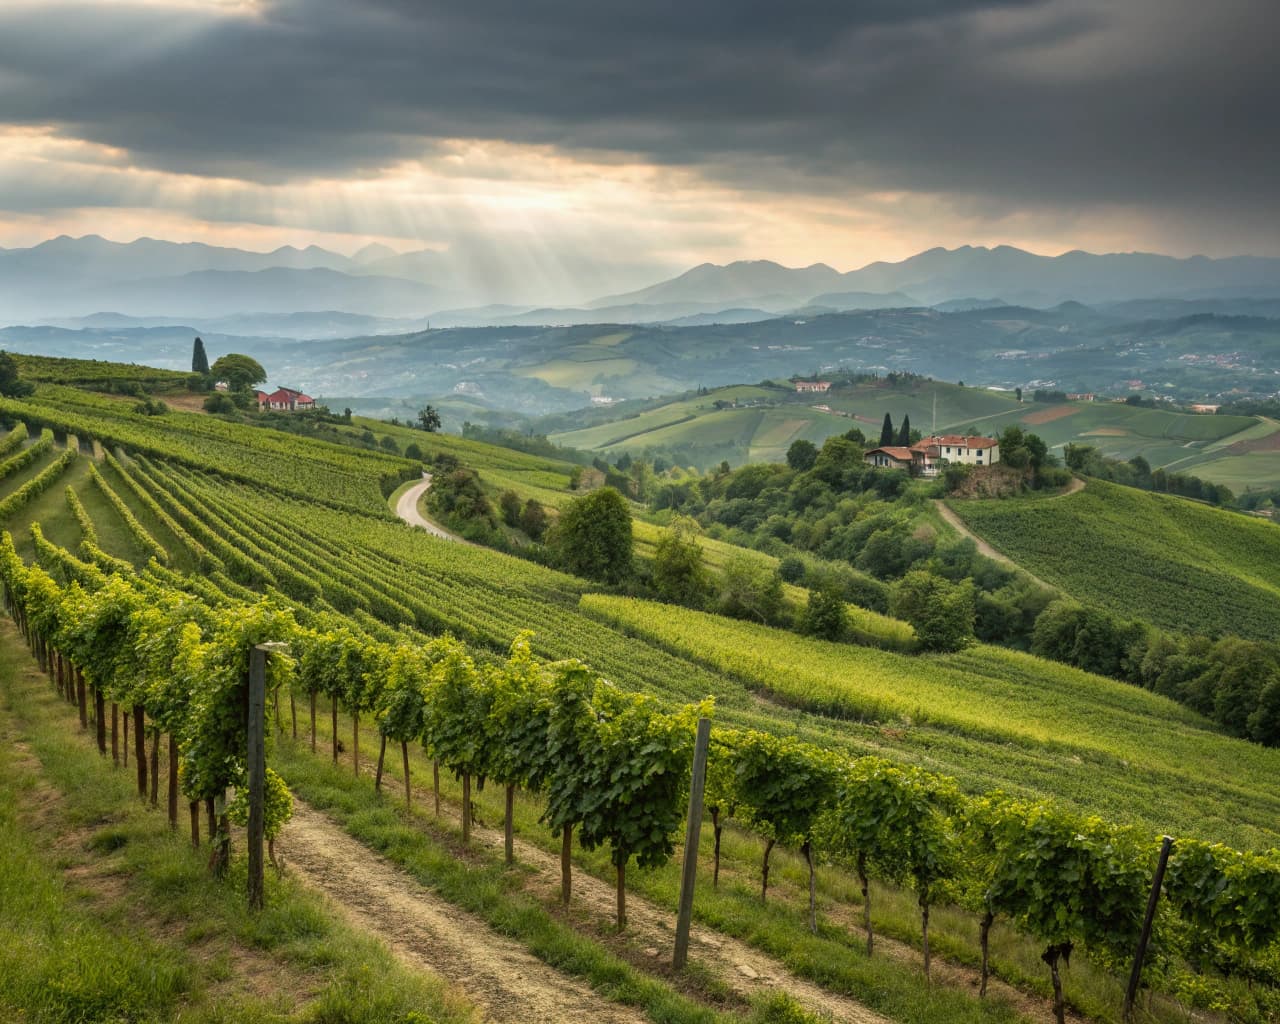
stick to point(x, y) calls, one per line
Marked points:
point(890, 457)
point(812, 385)
point(1080, 396)
point(1205, 407)
point(928, 455)
point(285, 400)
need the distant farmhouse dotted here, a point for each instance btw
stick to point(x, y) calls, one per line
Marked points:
point(812, 385)
point(284, 400)
point(928, 455)
point(1204, 407)
point(1080, 396)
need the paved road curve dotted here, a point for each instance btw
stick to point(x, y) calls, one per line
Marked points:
point(407, 509)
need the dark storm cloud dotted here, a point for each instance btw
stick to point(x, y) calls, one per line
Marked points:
point(1043, 102)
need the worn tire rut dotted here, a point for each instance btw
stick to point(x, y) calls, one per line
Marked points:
point(428, 933)
point(744, 969)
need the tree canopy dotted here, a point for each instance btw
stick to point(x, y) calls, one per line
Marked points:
point(429, 419)
point(593, 536)
point(886, 431)
point(241, 372)
point(11, 385)
point(199, 358)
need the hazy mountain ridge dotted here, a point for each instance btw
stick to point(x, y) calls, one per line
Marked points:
point(66, 278)
point(1022, 278)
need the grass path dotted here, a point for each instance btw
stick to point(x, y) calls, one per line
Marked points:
point(956, 523)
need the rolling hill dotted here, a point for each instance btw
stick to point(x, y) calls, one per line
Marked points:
point(758, 424)
point(1165, 559)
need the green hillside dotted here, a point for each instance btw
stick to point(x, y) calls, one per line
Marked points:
point(234, 513)
point(380, 570)
point(758, 424)
point(1182, 442)
point(1143, 555)
point(1033, 719)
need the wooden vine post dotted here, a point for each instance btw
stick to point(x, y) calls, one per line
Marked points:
point(1135, 976)
point(173, 782)
point(692, 833)
point(140, 750)
point(257, 766)
point(100, 719)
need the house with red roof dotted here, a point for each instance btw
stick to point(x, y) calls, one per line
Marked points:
point(285, 400)
point(928, 455)
point(890, 457)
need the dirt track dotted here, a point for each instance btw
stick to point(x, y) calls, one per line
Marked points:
point(949, 515)
point(743, 969)
point(407, 509)
point(427, 933)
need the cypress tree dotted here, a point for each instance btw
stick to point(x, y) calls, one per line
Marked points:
point(199, 360)
point(886, 431)
point(904, 432)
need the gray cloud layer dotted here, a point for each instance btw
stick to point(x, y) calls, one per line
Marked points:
point(1155, 103)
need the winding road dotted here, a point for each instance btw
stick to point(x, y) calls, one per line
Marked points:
point(407, 509)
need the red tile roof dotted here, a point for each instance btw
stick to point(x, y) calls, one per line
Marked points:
point(956, 441)
point(289, 395)
point(894, 452)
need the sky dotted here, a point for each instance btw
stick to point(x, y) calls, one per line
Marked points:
point(645, 136)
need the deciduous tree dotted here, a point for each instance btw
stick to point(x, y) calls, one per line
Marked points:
point(593, 536)
point(241, 372)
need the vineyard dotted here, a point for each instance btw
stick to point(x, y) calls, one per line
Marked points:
point(1223, 566)
point(98, 375)
point(319, 471)
point(191, 541)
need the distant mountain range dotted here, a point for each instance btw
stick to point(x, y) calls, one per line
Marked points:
point(376, 291)
point(944, 275)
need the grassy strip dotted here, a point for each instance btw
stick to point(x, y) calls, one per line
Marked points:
point(482, 886)
point(64, 958)
point(24, 458)
point(56, 961)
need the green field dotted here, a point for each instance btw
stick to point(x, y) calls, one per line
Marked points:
point(1143, 555)
point(764, 422)
point(1182, 442)
point(1239, 451)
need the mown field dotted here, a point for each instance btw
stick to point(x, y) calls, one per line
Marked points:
point(1143, 555)
point(1184, 442)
